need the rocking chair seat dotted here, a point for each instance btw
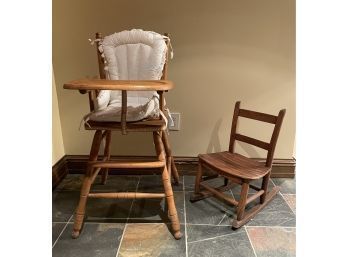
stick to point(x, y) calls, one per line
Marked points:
point(235, 164)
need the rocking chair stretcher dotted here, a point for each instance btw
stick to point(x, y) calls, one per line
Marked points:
point(165, 161)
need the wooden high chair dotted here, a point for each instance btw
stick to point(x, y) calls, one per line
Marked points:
point(236, 168)
point(157, 126)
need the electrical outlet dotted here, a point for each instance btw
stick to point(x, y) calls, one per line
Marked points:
point(176, 120)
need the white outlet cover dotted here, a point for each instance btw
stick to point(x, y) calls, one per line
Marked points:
point(176, 118)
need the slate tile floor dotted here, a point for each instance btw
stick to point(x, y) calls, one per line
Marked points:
point(125, 227)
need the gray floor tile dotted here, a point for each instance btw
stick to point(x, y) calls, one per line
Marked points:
point(114, 183)
point(190, 182)
point(148, 230)
point(56, 230)
point(153, 183)
point(96, 240)
point(291, 201)
point(151, 240)
point(207, 211)
point(107, 210)
point(203, 232)
point(276, 213)
point(287, 185)
point(273, 242)
point(231, 244)
point(152, 210)
point(71, 182)
point(64, 204)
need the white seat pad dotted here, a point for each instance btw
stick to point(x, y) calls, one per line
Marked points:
point(131, 55)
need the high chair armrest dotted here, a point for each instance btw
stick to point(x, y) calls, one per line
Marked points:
point(84, 85)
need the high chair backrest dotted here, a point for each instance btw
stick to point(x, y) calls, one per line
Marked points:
point(270, 147)
point(131, 55)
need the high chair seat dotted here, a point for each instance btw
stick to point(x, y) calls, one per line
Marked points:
point(235, 164)
point(142, 125)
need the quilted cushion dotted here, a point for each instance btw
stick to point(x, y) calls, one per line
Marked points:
point(131, 55)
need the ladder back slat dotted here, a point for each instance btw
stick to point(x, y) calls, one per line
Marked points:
point(258, 116)
point(252, 141)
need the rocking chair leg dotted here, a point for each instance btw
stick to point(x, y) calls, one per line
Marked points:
point(255, 210)
point(87, 182)
point(107, 155)
point(264, 187)
point(225, 181)
point(242, 201)
point(173, 215)
point(171, 168)
point(197, 195)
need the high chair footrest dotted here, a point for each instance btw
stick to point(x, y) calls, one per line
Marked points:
point(125, 195)
point(127, 165)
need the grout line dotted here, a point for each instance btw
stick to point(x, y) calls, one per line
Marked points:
point(268, 227)
point(232, 194)
point(273, 182)
point(225, 212)
point(183, 184)
point(205, 239)
point(119, 246)
point(130, 209)
point(191, 224)
point(251, 243)
point(62, 231)
point(287, 202)
point(222, 219)
point(248, 226)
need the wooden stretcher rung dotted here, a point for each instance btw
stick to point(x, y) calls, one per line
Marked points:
point(254, 187)
point(205, 193)
point(219, 194)
point(210, 177)
point(127, 165)
point(254, 196)
point(129, 195)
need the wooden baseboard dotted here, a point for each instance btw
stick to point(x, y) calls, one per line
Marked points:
point(76, 164)
point(59, 171)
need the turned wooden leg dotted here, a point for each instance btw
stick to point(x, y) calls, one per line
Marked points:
point(87, 182)
point(242, 200)
point(107, 155)
point(173, 215)
point(171, 168)
point(80, 211)
point(264, 187)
